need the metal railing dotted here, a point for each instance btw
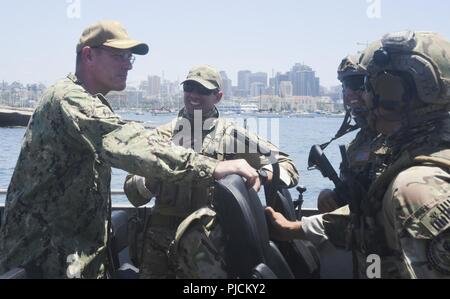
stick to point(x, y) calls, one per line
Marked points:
point(113, 192)
point(305, 211)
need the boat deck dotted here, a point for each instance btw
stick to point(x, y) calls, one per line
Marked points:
point(335, 263)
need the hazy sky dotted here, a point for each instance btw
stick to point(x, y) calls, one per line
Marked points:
point(38, 38)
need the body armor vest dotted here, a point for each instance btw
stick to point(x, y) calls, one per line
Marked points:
point(367, 232)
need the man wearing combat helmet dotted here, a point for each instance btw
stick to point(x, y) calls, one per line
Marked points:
point(404, 219)
point(362, 150)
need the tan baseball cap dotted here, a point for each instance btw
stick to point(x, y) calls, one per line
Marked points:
point(111, 34)
point(206, 75)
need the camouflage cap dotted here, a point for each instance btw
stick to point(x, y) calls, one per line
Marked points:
point(111, 34)
point(206, 75)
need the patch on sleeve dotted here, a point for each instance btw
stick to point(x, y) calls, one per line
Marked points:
point(439, 253)
point(428, 222)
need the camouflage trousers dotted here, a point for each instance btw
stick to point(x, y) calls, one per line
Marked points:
point(198, 252)
point(199, 248)
point(55, 264)
point(155, 260)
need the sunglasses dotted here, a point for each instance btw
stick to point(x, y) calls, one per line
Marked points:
point(118, 55)
point(198, 88)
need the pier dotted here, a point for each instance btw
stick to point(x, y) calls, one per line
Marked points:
point(15, 117)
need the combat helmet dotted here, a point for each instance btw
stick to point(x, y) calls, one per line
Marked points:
point(349, 67)
point(350, 74)
point(352, 78)
point(409, 70)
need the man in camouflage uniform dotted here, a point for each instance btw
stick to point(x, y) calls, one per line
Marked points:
point(361, 150)
point(198, 126)
point(404, 219)
point(56, 222)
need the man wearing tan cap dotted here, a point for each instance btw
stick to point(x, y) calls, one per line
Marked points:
point(58, 204)
point(216, 138)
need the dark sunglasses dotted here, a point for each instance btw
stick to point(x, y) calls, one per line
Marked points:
point(355, 83)
point(198, 88)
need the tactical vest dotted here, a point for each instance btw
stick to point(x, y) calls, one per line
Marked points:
point(368, 235)
point(180, 201)
point(359, 150)
point(363, 153)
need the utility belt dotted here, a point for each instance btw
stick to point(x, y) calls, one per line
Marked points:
point(165, 221)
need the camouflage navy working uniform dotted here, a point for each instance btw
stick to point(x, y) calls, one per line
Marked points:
point(175, 202)
point(58, 204)
point(404, 218)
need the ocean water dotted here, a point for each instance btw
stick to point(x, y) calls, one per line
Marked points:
point(296, 136)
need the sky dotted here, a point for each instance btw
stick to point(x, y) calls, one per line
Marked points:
point(38, 38)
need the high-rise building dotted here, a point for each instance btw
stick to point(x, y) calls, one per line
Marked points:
point(226, 86)
point(272, 82)
point(286, 89)
point(257, 89)
point(317, 86)
point(173, 88)
point(244, 82)
point(279, 77)
point(154, 86)
point(259, 78)
point(304, 81)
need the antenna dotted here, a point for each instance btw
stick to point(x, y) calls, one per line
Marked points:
point(366, 44)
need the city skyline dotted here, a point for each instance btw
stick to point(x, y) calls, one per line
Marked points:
point(302, 79)
point(257, 35)
point(160, 76)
